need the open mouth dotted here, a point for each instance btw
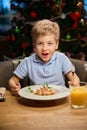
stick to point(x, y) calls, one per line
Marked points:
point(45, 54)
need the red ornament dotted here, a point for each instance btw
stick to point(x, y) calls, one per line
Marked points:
point(24, 45)
point(13, 38)
point(75, 16)
point(33, 14)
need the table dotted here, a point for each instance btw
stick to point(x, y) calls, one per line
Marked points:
point(20, 114)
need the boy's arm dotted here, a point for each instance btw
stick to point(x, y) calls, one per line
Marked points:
point(73, 78)
point(14, 84)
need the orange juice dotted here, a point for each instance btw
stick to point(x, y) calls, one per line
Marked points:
point(79, 97)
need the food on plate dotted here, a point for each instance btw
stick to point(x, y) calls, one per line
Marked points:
point(45, 90)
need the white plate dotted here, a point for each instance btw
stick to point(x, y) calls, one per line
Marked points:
point(62, 92)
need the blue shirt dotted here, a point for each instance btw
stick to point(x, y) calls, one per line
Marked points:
point(40, 73)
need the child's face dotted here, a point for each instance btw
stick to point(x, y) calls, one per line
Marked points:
point(45, 46)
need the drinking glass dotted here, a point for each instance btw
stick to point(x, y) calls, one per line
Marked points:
point(78, 95)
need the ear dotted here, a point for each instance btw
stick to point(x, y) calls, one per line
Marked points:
point(57, 44)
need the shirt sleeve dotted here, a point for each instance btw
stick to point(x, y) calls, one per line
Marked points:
point(66, 64)
point(21, 70)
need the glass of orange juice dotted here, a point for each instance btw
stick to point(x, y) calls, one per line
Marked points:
point(78, 95)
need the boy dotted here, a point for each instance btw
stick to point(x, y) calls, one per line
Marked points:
point(46, 65)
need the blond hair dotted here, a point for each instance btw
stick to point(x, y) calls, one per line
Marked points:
point(44, 27)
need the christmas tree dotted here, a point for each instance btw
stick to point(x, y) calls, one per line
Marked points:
point(70, 15)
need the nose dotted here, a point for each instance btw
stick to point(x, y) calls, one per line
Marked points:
point(44, 46)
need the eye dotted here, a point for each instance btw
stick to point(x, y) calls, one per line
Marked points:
point(39, 43)
point(50, 43)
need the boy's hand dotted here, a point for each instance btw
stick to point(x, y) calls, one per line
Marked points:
point(15, 89)
point(73, 83)
point(14, 84)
